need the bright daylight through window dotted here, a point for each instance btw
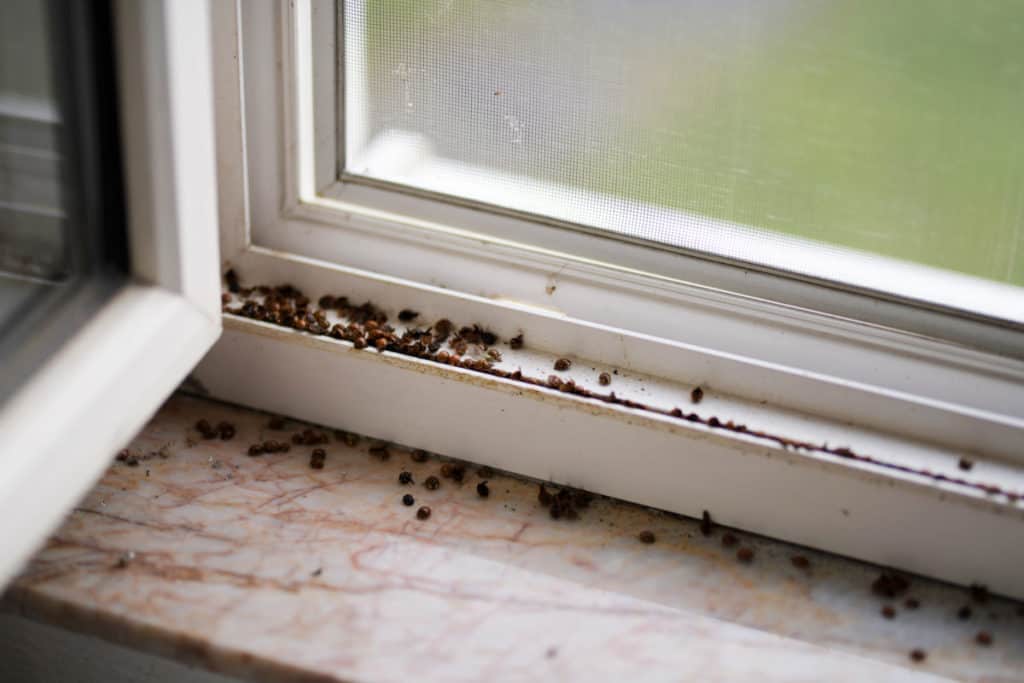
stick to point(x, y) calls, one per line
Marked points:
point(871, 143)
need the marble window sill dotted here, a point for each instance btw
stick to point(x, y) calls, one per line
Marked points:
point(263, 568)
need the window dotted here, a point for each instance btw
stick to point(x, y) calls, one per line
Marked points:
point(108, 265)
point(841, 393)
point(786, 136)
point(63, 240)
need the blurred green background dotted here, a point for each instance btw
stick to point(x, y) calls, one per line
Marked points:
point(890, 127)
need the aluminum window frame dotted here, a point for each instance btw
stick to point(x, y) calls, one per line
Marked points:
point(923, 401)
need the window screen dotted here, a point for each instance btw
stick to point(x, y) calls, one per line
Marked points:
point(741, 128)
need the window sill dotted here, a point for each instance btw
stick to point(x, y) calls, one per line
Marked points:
point(885, 511)
point(265, 568)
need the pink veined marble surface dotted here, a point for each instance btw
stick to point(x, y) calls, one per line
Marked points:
point(265, 567)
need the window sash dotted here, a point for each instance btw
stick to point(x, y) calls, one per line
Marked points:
point(61, 428)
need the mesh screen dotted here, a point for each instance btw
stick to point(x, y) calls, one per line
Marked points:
point(893, 128)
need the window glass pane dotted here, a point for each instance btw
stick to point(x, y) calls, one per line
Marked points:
point(63, 248)
point(31, 225)
point(744, 128)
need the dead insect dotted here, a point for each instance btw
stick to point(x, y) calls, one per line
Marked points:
point(276, 423)
point(554, 381)
point(494, 354)
point(911, 603)
point(317, 572)
point(800, 562)
point(351, 440)
point(443, 328)
point(979, 593)
point(231, 277)
point(582, 499)
point(964, 613)
point(226, 431)
point(706, 526)
point(888, 612)
point(543, 496)
point(697, 394)
point(255, 449)
point(965, 464)
point(729, 540)
point(408, 315)
point(432, 483)
point(646, 537)
point(604, 379)
point(745, 555)
point(327, 301)
point(407, 499)
point(918, 655)
point(423, 512)
point(225, 298)
point(516, 342)
point(381, 343)
point(459, 346)
point(563, 364)
point(122, 454)
point(205, 430)
point(485, 472)
point(482, 490)
point(380, 451)
point(317, 458)
point(453, 471)
point(419, 455)
point(889, 585)
point(983, 638)
point(405, 478)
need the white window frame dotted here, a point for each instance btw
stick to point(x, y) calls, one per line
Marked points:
point(61, 429)
point(920, 403)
